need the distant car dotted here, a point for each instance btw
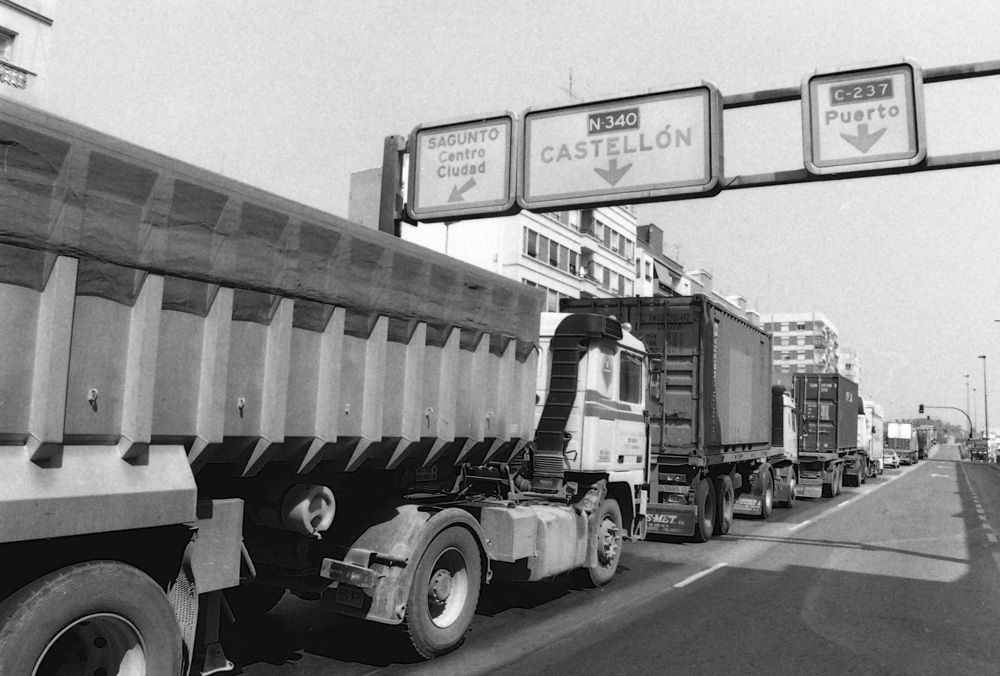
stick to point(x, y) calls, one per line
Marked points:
point(889, 458)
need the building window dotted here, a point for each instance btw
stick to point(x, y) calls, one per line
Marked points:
point(543, 248)
point(606, 279)
point(531, 243)
point(572, 262)
point(801, 340)
point(6, 44)
point(801, 326)
point(587, 222)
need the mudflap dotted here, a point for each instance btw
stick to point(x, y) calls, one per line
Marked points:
point(671, 520)
point(803, 490)
point(748, 504)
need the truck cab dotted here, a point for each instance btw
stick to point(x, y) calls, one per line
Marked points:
point(601, 418)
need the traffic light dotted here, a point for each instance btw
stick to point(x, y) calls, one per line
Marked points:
point(921, 408)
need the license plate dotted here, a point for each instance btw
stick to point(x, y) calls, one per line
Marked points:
point(349, 596)
point(427, 473)
point(748, 502)
point(808, 491)
point(672, 523)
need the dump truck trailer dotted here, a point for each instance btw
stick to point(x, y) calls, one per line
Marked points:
point(712, 414)
point(926, 437)
point(828, 408)
point(210, 395)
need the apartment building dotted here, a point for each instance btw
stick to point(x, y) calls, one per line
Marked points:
point(804, 342)
point(25, 37)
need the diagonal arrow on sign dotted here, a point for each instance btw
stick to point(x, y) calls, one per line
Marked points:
point(863, 141)
point(613, 173)
point(456, 192)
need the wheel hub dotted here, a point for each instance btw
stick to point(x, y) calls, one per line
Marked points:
point(440, 587)
point(607, 548)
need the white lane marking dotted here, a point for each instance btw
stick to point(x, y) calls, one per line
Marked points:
point(801, 525)
point(698, 576)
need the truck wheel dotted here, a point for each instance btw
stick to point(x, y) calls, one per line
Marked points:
point(828, 489)
point(767, 495)
point(609, 543)
point(444, 593)
point(726, 497)
point(704, 495)
point(99, 617)
point(250, 601)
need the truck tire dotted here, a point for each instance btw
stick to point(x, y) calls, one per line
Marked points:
point(251, 601)
point(726, 500)
point(98, 617)
point(767, 495)
point(829, 490)
point(704, 496)
point(790, 502)
point(444, 593)
point(609, 543)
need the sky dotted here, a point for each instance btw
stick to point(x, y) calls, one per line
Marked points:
point(293, 97)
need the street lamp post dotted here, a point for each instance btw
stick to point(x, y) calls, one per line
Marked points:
point(986, 401)
point(966, 376)
point(975, 420)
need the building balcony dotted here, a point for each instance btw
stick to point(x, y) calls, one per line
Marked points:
point(13, 76)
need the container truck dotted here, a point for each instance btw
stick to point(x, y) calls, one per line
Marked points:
point(871, 433)
point(902, 438)
point(206, 388)
point(828, 407)
point(721, 440)
point(926, 437)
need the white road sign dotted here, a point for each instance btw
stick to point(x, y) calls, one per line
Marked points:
point(462, 170)
point(625, 150)
point(861, 119)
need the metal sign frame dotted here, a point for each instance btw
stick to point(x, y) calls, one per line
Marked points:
point(651, 192)
point(810, 113)
point(464, 210)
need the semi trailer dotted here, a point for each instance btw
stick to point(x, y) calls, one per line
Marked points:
point(871, 437)
point(722, 440)
point(902, 438)
point(828, 407)
point(926, 437)
point(210, 395)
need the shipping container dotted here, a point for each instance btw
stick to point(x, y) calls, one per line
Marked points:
point(828, 405)
point(714, 396)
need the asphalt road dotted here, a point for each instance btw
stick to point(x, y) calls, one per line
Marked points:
point(900, 576)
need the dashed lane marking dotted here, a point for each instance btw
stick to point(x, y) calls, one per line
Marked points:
point(697, 576)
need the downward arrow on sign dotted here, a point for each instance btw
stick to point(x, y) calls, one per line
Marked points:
point(456, 192)
point(613, 173)
point(863, 141)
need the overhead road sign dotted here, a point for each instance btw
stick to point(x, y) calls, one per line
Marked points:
point(625, 150)
point(463, 169)
point(863, 118)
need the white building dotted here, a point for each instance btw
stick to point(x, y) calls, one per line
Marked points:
point(25, 36)
point(804, 342)
point(849, 364)
point(589, 253)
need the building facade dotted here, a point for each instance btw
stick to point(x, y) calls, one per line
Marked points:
point(804, 342)
point(589, 253)
point(849, 364)
point(25, 37)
